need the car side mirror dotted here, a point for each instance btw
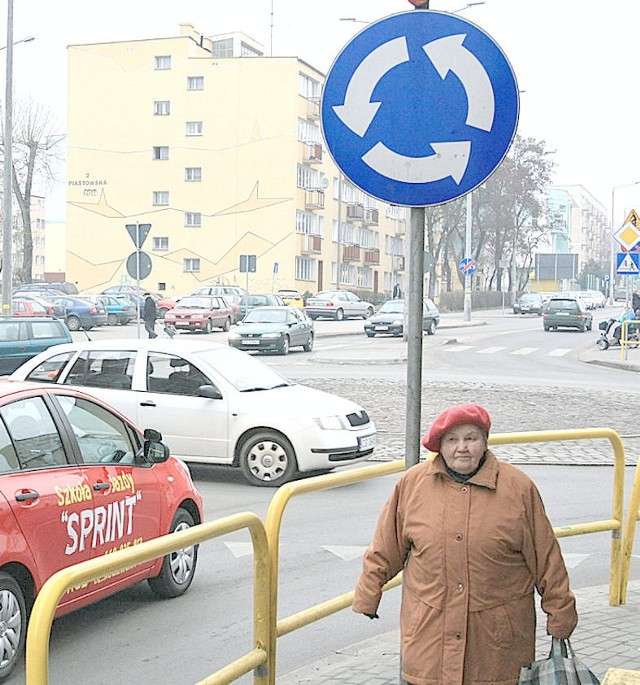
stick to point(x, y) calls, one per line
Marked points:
point(155, 452)
point(210, 392)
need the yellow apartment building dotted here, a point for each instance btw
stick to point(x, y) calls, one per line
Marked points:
point(219, 149)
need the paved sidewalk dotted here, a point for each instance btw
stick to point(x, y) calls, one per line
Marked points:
point(606, 637)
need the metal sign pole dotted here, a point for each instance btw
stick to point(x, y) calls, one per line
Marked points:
point(138, 275)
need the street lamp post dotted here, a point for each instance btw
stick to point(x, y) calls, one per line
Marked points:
point(7, 232)
point(613, 224)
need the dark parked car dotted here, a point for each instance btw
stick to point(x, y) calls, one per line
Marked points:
point(119, 309)
point(566, 312)
point(23, 337)
point(82, 313)
point(274, 329)
point(249, 302)
point(389, 320)
point(529, 303)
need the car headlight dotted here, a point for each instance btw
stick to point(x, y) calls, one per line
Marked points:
point(397, 322)
point(271, 335)
point(234, 336)
point(330, 422)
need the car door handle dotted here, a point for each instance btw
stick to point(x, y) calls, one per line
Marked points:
point(148, 403)
point(26, 496)
point(101, 486)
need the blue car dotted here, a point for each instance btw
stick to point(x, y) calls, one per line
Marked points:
point(120, 310)
point(82, 313)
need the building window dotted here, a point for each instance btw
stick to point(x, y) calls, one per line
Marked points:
point(307, 222)
point(222, 48)
point(161, 152)
point(190, 265)
point(306, 269)
point(193, 173)
point(192, 219)
point(161, 108)
point(161, 244)
point(160, 197)
point(308, 87)
point(162, 62)
point(195, 82)
point(194, 128)
point(308, 178)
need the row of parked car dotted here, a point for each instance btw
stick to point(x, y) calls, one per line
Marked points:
point(534, 303)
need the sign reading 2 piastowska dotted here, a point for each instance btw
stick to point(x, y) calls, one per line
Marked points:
point(419, 108)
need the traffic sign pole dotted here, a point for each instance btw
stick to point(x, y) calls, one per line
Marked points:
point(467, 254)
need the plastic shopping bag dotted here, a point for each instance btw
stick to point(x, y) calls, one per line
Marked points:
point(561, 668)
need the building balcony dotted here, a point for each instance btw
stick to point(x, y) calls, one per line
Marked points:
point(311, 244)
point(313, 109)
point(372, 256)
point(313, 153)
point(314, 198)
point(355, 212)
point(398, 262)
point(351, 253)
point(371, 216)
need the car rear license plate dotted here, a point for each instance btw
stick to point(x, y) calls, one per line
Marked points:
point(366, 442)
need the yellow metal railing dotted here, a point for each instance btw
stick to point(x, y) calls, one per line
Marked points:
point(266, 540)
point(625, 341)
point(38, 635)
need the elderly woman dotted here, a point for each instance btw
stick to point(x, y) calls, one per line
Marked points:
point(473, 539)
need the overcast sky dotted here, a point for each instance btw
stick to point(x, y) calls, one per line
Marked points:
point(577, 62)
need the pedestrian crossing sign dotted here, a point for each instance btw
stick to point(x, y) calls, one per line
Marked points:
point(628, 263)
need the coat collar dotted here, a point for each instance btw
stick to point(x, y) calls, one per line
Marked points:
point(487, 476)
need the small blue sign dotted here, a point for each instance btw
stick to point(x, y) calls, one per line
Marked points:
point(628, 263)
point(467, 266)
point(419, 108)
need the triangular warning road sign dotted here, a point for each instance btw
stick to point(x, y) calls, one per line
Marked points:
point(628, 266)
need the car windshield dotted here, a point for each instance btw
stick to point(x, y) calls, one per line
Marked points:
point(261, 315)
point(195, 303)
point(242, 370)
point(392, 307)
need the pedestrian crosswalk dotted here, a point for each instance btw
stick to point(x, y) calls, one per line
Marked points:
point(493, 349)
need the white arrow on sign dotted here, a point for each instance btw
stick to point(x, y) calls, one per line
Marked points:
point(448, 54)
point(358, 111)
point(450, 159)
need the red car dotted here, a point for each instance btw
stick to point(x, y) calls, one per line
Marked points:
point(78, 480)
point(200, 313)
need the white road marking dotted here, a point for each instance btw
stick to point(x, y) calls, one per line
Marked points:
point(572, 560)
point(239, 549)
point(524, 350)
point(559, 352)
point(345, 552)
point(491, 350)
point(457, 348)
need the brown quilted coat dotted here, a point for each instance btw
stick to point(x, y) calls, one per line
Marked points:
point(473, 553)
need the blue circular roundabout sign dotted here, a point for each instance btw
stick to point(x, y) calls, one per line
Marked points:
point(419, 108)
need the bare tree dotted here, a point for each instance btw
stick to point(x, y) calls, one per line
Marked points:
point(35, 137)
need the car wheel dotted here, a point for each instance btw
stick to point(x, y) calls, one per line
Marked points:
point(546, 328)
point(112, 320)
point(124, 322)
point(582, 329)
point(208, 327)
point(227, 325)
point(73, 323)
point(309, 346)
point(339, 314)
point(370, 334)
point(431, 327)
point(285, 345)
point(13, 618)
point(177, 567)
point(267, 459)
point(369, 313)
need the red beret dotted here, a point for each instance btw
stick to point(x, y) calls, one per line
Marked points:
point(456, 416)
